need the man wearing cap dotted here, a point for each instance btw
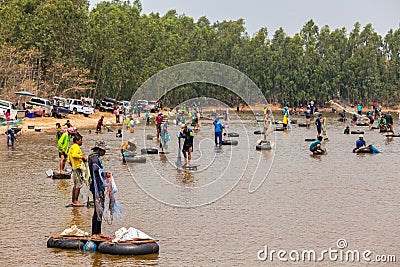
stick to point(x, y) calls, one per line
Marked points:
point(158, 120)
point(75, 158)
point(360, 143)
point(63, 145)
point(97, 186)
point(188, 135)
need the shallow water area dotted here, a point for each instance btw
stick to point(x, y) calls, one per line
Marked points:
point(306, 202)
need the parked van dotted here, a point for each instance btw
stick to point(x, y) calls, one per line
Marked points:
point(7, 105)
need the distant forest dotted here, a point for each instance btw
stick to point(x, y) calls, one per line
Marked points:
point(61, 47)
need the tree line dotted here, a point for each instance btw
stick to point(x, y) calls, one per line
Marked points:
point(61, 47)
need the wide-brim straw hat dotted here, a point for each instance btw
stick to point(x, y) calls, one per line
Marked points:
point(100, 145)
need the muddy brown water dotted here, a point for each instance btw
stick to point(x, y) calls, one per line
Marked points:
point(306, 202)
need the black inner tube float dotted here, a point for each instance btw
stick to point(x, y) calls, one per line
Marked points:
point(357, 132)
point(65, 243)
point(149, 150)
point(61, 176)
point(363, 150)
point(230, 142)
point(128, 248)
point(263, 147)
point(137, 159)
point(233, 135)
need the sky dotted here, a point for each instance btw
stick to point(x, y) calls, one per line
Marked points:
point(291, 15)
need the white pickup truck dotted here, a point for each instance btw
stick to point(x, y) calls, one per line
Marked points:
point(77, 106)
point(7, 105)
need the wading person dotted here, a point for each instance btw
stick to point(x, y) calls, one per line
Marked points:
point(286, 115)
point(99, 124)
point(116, 113)
point(218, 127)
point(360, 143)
point(188, 136)
point(10, 136)
point(97, 186)
point(371, 120)
point(315, 146)
point(75, 158)
point(318, 123)
point(63, 146)
point(164, 137)
point(308, 116)
point(159, 121)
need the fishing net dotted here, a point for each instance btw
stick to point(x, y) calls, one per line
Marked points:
point(106, 205)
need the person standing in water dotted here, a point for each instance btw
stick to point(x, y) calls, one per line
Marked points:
point(63, 146)
point(164, 137)
point(75, 158)
point(285, 117)
point(318, 123)
point(188, 136)
point(99, 124)
point(97, 187)
point(10, 136)
point(218, 127)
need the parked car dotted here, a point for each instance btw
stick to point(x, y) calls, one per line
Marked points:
point(108, 104)
point(42, 104)
point(77, 106)
point(141, 104)
point(7, 105)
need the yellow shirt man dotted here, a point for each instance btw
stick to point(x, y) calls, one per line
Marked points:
point(75, 156)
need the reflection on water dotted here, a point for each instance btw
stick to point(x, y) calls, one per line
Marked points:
point(305, 202)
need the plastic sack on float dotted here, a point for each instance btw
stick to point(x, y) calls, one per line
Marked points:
point(124, 234)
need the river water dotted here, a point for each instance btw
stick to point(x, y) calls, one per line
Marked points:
point(305, 203)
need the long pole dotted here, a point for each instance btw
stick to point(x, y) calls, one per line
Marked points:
point(179, 159)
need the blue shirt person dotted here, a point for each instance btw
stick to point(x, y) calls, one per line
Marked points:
point(360, 142)
point(318, 123)
point(218, 131)
point(359, 109)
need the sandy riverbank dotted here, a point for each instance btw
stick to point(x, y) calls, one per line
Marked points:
point(79, 121)
point(48, 124)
